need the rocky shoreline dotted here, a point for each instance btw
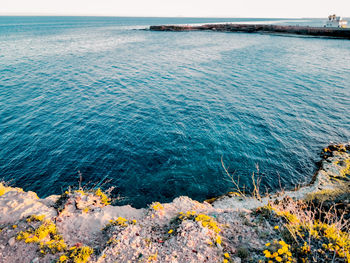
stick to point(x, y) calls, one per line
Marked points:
point(81, 225)
point(261, 28)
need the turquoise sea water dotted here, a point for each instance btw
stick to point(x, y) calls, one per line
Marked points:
point(152, 113)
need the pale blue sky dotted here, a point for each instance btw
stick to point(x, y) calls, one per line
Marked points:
point(189, 8)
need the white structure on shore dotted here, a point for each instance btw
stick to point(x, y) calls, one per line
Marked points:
point(335, 21)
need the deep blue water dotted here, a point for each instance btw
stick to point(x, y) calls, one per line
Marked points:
point(152, 113)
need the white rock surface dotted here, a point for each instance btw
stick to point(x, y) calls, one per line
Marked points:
point(15, 205)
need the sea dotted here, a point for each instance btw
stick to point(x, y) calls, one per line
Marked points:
point(102, 102)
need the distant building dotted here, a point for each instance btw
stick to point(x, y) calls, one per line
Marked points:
point(335, 21)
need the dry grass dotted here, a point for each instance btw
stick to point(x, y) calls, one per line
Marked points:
point(313, 233)
point(237, 189)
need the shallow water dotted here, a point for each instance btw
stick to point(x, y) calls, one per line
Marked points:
point(152, 113)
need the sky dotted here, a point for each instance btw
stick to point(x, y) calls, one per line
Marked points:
point(174, 8)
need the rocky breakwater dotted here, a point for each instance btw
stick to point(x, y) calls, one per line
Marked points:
point(261, 28)
point(82, 226)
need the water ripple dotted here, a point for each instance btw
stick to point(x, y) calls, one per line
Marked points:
point(154, 112)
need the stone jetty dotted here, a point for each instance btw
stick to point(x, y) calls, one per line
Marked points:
point(261, 28)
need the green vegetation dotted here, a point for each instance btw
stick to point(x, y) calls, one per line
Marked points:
point(44, 234)
point(76, 255)
point(4, 188)
point(105, 200)
point(35, 218)
point(92, 199)
point(346, 170)
point(120, 221)
point(205, 220)
point(303, 236)
point(278, 251)
point(156, 206)
point(285, 230)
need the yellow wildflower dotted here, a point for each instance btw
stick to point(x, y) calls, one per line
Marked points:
point(63, 258)
point(153, 257)
point(279, 259)
point(157, 206)
point(218, 240)
point(267, 253)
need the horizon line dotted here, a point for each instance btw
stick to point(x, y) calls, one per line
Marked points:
point(144, 16)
